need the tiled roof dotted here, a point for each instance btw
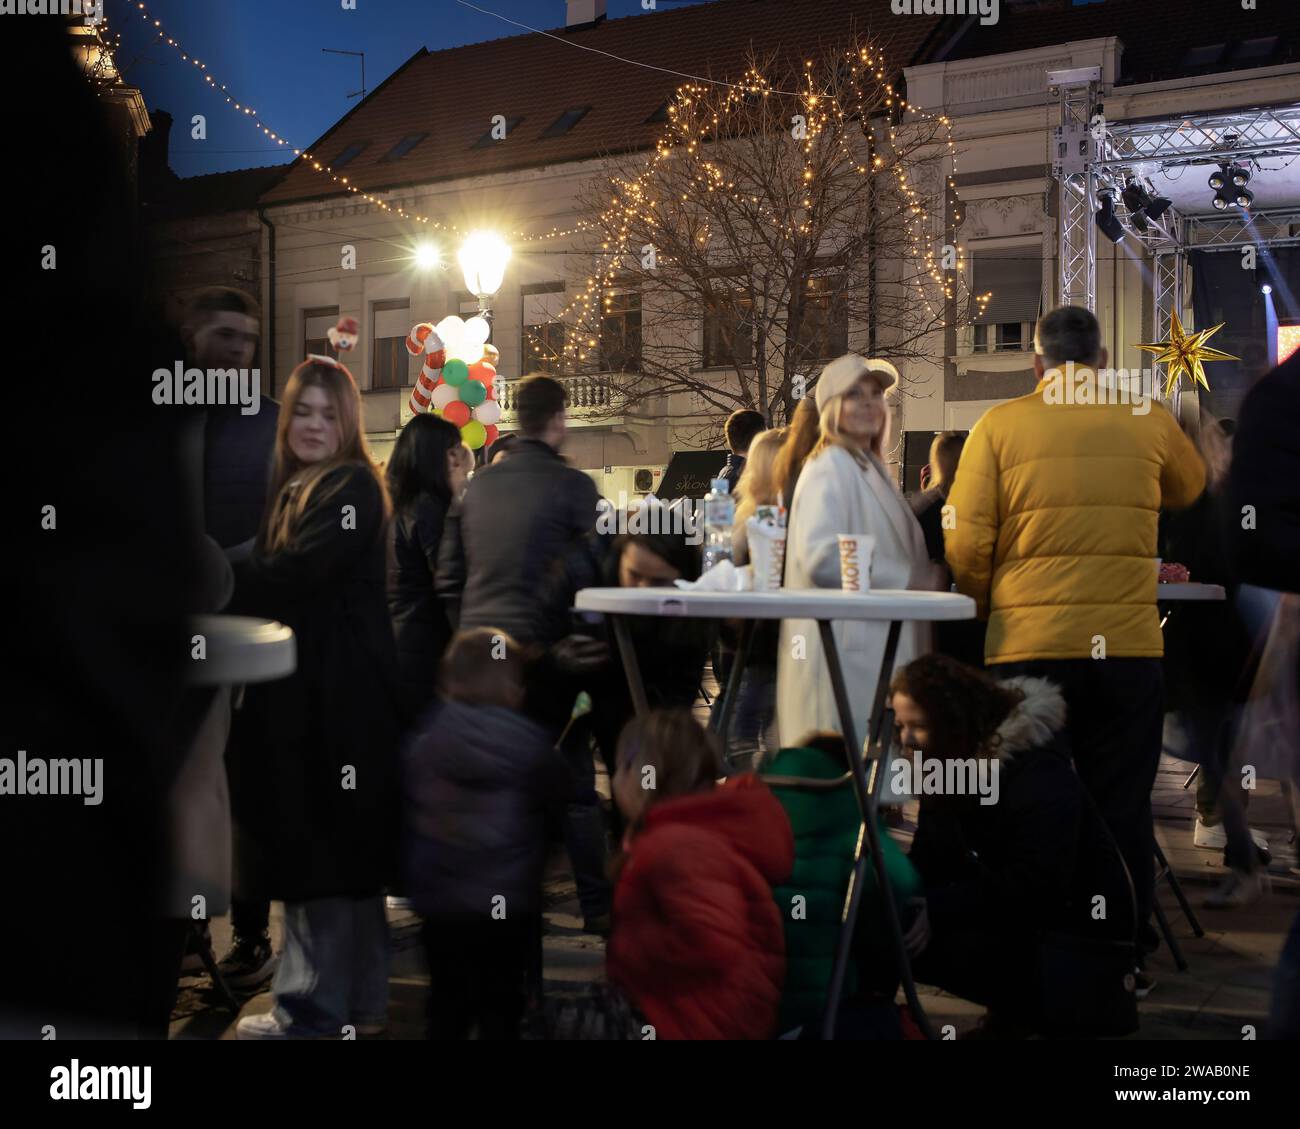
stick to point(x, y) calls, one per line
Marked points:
point(453, 94)
point(214, 193)
point(1156, 34)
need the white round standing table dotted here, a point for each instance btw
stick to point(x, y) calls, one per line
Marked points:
point(241, 649)
point(892, 606)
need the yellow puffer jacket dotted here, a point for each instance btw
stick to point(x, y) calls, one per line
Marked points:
point(1052, 529)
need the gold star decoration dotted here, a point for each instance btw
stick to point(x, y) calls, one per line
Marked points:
point(1185, 353)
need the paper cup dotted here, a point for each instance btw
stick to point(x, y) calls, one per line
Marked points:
point(766, 553)
point(855, 561)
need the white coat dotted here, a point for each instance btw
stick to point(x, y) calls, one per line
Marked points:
point(836, 495)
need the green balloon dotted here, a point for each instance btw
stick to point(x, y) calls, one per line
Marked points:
point(455, 373)
point(473, 392)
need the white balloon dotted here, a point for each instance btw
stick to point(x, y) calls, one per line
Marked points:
point(487, 412)
point(463, 351)
point(443, 395)
point(451, 329)
point(477, 330)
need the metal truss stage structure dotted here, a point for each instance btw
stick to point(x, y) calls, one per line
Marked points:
point(1093, 156)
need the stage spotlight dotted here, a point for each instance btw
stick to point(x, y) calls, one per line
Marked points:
point(1244, 198)
point(1158, 207)
point(1266, 288)
point(1135, 200)
point(1107, 220)
point(1219, 179)
point(1240, 176)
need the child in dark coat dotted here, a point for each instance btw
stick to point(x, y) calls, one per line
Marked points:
point(479, 780)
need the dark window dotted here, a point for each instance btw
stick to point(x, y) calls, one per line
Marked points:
point(1013, 279)
point(316, 323)
point(729, 330)
point(409, 142)
point(1198, 58)
point(390, 361)
point(620, 332)
point(542, 345)
point(349, 154)
point(487, 139)
point(566, 121)
point(660, 115)
point(824, 331)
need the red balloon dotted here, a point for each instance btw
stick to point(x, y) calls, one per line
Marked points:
point(457, 412)
point(492, 434)
point(483, 371)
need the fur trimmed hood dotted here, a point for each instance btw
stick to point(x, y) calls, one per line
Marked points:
point(1035, 721)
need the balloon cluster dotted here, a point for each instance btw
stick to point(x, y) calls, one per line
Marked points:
point(457, 379)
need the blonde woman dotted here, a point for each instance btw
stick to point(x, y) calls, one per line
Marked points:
point(313, 756)
point(757, 486)
point(845, 488)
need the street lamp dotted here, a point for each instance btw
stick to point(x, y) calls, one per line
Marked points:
point(483, 257)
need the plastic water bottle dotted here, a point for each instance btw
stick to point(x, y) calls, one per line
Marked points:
point(719, 517)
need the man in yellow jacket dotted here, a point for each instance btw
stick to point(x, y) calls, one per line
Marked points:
point(1052, 530)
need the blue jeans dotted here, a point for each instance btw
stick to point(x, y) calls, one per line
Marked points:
point(333, 966)
point(584, 828)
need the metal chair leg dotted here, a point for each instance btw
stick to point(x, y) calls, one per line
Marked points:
point(1167, 872)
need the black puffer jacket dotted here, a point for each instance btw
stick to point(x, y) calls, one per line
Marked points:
point(420, 624)
point(1033, 860)
point(478, 782)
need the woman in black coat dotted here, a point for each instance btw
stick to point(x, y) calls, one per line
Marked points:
point(1005, 871)
point(426, 473)
point(313, 757)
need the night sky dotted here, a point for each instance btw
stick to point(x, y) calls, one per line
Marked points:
point(268, 52)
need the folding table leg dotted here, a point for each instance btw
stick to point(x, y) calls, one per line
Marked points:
point(722, 716)
point(630, 666)
point(868, 835)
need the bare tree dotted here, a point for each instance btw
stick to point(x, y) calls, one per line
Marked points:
point(780, 222)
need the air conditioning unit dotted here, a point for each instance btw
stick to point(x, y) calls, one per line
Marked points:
point(631, 482)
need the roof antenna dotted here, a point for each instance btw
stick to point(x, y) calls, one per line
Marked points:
point(362, 56)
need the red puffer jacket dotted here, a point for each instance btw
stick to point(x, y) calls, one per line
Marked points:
point(698, 944)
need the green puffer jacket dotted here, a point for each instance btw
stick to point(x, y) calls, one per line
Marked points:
point(825, 826)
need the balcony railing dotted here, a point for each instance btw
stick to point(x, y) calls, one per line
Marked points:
point(581, 392)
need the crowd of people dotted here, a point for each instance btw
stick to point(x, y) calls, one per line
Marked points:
point(441, 730)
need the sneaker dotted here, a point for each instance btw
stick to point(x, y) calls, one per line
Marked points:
point(248, 964)
point(264, 1026)
point(1143, 982)
point(1212, 837)
point(1240, 888)
point(402, 904)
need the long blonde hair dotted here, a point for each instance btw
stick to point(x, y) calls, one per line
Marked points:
point(294, 484)
point(757, 485)
point(831, 436)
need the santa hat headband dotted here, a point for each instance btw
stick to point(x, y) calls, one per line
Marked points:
point(332, 362)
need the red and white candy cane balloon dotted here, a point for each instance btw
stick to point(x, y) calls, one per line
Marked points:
point(458, 378)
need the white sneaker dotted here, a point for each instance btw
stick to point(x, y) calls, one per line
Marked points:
point(1215, 838)
point(264, 1026)
point(1240, 888)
